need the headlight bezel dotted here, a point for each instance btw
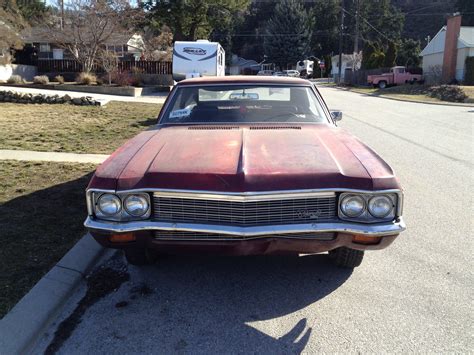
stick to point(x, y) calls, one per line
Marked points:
point(366, 216)
point(123, 214)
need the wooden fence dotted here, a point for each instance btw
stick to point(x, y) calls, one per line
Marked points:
point(72, 66)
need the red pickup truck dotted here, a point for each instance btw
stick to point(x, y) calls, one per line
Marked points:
point(397, 76)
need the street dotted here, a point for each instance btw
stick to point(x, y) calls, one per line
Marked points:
point(415, 296)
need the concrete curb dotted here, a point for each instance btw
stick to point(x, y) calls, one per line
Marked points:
point(21, 328)
point(405, 100)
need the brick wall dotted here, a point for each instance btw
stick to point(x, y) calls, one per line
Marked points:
point(451, 48)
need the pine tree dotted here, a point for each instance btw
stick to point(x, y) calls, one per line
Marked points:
point(288, 33)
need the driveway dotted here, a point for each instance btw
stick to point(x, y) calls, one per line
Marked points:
point(157, 98)
point(415, 296)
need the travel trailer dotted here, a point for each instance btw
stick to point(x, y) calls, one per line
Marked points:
point(196, 59)
point(305, 67)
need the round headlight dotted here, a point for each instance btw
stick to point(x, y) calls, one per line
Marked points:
point(109, 204)
point(380, 206)
point(136, 205)
point(352, 206)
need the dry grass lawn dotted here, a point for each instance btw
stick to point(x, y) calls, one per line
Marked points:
point(42, 210)
point(408, 92)
point(69, 128)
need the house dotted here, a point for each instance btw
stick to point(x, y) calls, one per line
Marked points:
point(349, 62)
point(444, 57)
point(40, 46)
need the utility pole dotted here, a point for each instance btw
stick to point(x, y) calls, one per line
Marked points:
point(356, 37)
point(341, 31)
point(62, 14)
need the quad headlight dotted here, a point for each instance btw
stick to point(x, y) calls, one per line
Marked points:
point(380, 206)
point(120, 206)
point(136, 205)
point(352, 205)
point(109, 204)
point(369, 207)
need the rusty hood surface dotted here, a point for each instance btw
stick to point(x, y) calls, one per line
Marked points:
point(245, 159)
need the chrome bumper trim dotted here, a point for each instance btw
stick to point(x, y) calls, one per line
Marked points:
point(379, 229)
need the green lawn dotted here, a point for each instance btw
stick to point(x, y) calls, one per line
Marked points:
point(42, 210)
point(69, 128)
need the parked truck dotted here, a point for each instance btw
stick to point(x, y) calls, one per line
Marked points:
point(397, 76)
point(196, 59)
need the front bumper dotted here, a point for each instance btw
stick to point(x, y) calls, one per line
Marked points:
point(376, 229)
point(258, 240)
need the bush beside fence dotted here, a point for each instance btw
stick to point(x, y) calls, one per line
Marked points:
point(72, 66)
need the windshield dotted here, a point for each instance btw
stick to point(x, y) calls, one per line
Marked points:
point(244, 104)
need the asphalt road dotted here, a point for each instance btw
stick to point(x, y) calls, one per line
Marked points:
point(415, 296)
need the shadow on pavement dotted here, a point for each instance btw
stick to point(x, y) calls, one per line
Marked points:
point(204, 305)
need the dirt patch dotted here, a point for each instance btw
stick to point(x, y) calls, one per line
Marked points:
point(101, 282)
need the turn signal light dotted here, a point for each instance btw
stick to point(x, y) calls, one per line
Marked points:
point(122, 238)
point(365, 239)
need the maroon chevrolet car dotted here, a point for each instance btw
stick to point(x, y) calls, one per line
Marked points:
point(245, 165)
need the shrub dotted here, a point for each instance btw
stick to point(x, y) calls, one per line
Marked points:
point(41, 79)
point(449, 93)
point(15, 79)
point(86, 79)
point(59, 79)
point(137, 77)
point(122, 78)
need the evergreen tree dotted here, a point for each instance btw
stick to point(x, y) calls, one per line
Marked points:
point(409, 53)
point(466, 8)
point(288, 34)
point(390, 55)
point(193, 19)
point(326, 28)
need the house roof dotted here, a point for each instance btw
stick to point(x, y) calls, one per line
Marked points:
point(436, 45)
point(39, 34)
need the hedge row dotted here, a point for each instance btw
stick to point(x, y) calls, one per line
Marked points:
point(27, 98)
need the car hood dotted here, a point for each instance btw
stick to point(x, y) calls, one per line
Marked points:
point(240, 159)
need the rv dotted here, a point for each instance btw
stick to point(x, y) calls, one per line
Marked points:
point(195, 59)
point(305, 67)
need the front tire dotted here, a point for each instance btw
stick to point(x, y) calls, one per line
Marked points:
point(382, 84)
point(139, 257)
point(346, 257)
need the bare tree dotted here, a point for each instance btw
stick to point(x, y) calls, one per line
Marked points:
point(11, 23)
point(89, 25)
point(158, 47)
point(109, 61)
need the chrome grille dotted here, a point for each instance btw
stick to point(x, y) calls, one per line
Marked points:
point(186, 235)
point(245, 213)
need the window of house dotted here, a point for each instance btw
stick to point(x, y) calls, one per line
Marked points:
point(45, 47)
point(118, 49)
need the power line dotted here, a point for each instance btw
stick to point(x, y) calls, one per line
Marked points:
point(368, 23)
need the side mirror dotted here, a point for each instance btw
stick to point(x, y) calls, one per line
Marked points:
point(336, 115)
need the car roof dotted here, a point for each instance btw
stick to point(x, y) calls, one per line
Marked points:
point(244, 79)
